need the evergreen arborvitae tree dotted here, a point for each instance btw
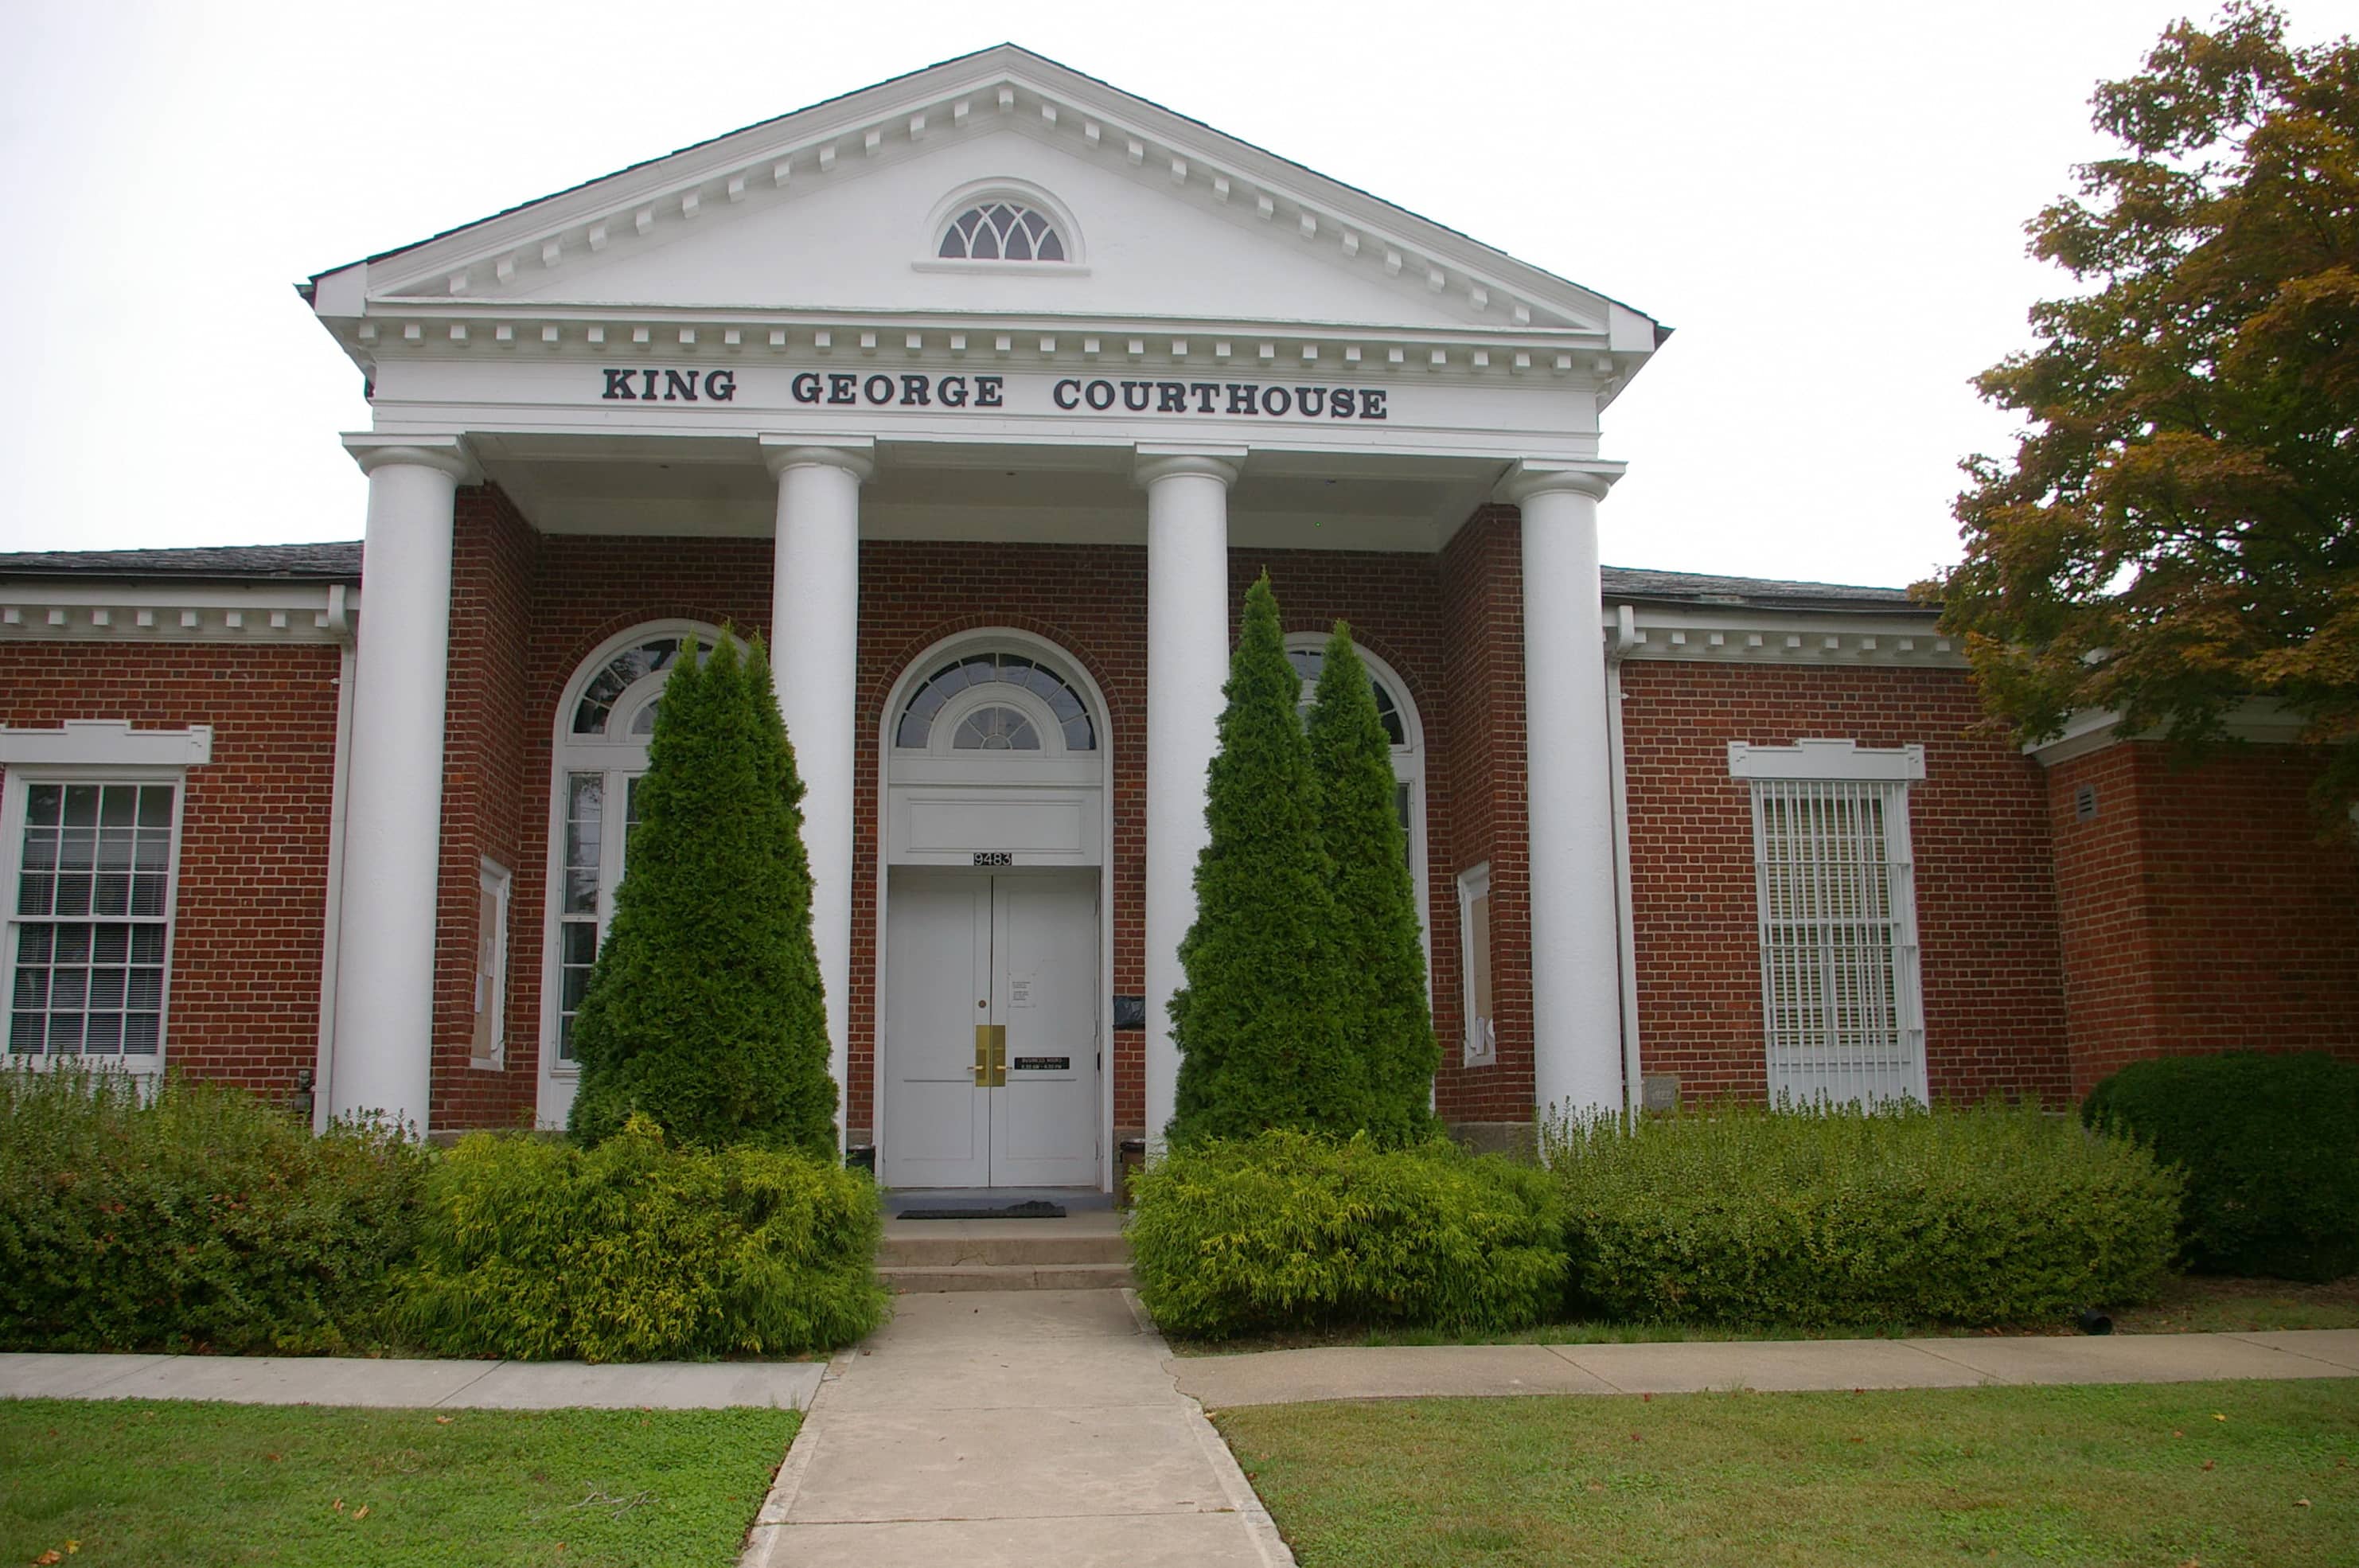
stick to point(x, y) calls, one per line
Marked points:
point(1388, 1023)
point(1259, 1022)
point(705, 1010)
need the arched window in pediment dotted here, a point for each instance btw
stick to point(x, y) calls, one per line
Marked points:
point(1000, 228)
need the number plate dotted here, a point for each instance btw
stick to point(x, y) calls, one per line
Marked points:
point(994, 857)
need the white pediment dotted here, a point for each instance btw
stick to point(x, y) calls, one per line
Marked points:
point(836, 208)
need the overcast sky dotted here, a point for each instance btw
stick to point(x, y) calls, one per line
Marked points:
point(1825, 199)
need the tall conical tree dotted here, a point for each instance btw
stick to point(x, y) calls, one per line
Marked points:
point(1388, 1021)
point(1259, 1022)
point(704, 1009)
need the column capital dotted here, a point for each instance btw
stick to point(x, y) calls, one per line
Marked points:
point(1161, 461)
point(856, 455)
point(1529, 478)
point(447, 454)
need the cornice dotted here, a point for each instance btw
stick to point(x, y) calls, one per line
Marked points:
point(53, 611)
point(2257, 720)
point(488, 331)
point(1745, 634)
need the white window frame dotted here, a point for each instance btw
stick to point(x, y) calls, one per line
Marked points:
point(1482, 1039)
point(94, 751)
point(1835, 772)
point(496, 883)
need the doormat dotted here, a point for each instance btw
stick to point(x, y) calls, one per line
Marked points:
point(1034, 1210)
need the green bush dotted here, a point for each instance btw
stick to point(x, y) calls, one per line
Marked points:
point(1387, 1020)
point(191, 1215)
point(1990, 1215)
point(2269, 1144)
point(705, 1010)
point(535, 1249)
point(1259, 1022)
point(1293, 1230)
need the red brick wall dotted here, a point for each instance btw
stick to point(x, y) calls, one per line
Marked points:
point(1479, 771)
point(248, 924)
point(1089, 600)
point(2202, 910)
point(486, 796)
point(1987, 910)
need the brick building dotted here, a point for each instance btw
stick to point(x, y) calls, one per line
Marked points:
point(982, 395)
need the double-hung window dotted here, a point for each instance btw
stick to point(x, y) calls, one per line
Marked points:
point(90, 815)
point(1835, 882)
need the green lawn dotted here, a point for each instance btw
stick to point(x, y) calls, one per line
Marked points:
point(2144, 1477)
point(159, 1484)
point(2188, 1305)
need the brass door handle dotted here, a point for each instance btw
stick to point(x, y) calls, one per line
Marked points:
point(990, 1056)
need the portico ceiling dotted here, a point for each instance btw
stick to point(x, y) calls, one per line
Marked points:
point(718, 487)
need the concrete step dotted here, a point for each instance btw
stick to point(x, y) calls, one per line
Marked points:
point(927, 1278)
point(1049, 1247)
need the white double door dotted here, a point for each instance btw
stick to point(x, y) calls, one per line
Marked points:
point(991, 1047)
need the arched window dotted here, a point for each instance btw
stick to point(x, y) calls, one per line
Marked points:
point(1308, 653)
point(1002, 229)
point(603, 724)
point(999, 725)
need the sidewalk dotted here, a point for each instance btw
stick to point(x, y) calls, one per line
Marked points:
point(439, 1385)
point(1394, 1372)
point(1036, 1428)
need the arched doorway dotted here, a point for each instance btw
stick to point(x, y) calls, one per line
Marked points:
point(993, 946)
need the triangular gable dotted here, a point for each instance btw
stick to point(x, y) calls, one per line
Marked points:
point(828, 209)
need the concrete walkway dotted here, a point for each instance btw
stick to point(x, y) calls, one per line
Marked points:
point(439, 1385)
point(1289, 1377)
point(1010, 1427)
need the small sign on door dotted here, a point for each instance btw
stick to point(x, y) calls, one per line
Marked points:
point(1019, 990)
point(1044, 1064)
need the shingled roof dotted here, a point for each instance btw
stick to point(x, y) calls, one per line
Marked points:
point(341, 562)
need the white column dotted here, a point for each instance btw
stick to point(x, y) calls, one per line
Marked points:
point(1576, 1009)
point(815, 658)
point(1187, 662)
point(384, 1043)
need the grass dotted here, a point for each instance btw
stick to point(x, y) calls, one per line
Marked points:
point(158, 1483)
point(2184, 1475)
point(2188, 1305)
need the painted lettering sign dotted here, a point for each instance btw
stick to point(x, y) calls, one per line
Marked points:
point(961, 391)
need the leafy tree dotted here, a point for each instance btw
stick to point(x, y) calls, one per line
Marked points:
point(1388, 1022)
point(1259, 1023)
point(2176, 531)
point(704, 1009)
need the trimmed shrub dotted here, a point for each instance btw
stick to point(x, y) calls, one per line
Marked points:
point(1293, 1230)
point(1974, 1216)
point(535, 1249)
point(2269, 1145)
point(191, 1216)
point(705, 1010)
point(1388, 1021)
point(1259, 1023)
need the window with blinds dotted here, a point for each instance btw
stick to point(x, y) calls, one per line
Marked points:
point(1836, 894)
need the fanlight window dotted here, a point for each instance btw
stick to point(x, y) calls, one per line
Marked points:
point(1002, 231)
point(593, 713)
point(996, 728)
